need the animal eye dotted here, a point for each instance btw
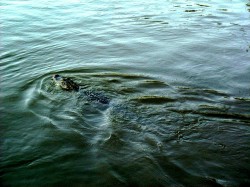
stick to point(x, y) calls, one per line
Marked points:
point(64, 85)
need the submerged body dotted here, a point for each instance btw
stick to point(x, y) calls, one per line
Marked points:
point(69, 85)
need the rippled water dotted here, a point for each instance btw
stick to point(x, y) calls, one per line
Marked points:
point(177, 74)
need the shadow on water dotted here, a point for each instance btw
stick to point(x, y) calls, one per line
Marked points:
point(248, 6)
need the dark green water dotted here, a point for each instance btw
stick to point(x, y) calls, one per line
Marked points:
point(178, 76)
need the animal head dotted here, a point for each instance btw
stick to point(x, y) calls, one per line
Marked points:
point(65, 83)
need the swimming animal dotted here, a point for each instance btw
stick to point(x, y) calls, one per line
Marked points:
point(65, 83)
point(69, 85)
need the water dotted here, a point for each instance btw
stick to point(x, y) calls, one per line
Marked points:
point(177, 74)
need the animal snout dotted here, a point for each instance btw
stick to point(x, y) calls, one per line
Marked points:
point(56, 76)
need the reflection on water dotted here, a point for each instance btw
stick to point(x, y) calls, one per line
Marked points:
point(177, 76)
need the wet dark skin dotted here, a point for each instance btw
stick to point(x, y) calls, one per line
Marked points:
point(65, 83)
point(69, 85)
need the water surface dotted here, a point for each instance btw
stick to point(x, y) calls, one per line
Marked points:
point(177, 74)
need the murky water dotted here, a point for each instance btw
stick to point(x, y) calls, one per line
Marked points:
point(177, 74)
